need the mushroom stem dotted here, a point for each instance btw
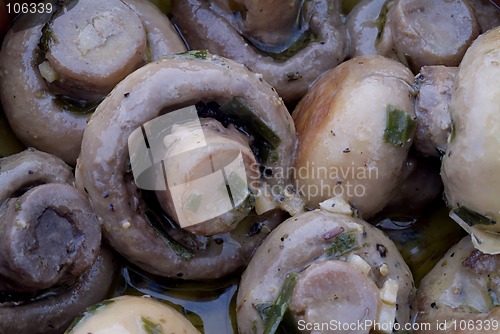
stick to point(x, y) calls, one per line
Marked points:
point(50, 236)
point(82, 47)
point(51, 314)
point(209, 178)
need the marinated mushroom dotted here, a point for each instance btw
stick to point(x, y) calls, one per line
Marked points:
point(51, 266)
point(131, 315)
point(461, 293)
point(355, 128)
point(471, 164)
point(53, 311)
point(223, 93)
point(325, 271)
point(416, 32)
point(428, 32)
point(291, 47)
point(54, 69)
point(368, 27)
point(435, 84)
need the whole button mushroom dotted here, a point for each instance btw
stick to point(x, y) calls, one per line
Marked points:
point(51, 263)
point(55, 69)
point(461, 293)
point(471, 164)
point(184, 230)
point(428, 32)
point(291, 43)
point(355, 128)
point(325, 271)
point(131, 315)
point(417, 33)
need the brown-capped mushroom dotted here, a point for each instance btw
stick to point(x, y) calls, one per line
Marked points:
point(355, 129)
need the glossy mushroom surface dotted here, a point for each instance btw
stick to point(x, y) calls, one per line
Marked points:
point(427, 32)
point(324, 267)
point(460, 295)
point(52, 264)
point(316, 38)
point(132, 315)
point(355, 129)
point(54, 69)
point(103, 168)
point(435, 86)
point(471, 164)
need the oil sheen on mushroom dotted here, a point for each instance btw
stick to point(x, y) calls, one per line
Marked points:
point(176, 84)
point(355, 128)
point(463, 288)
point(471, 166)
point(131, 315)
point(325, 267)
point(290, 46)
point(51, 262)
point(54, 74)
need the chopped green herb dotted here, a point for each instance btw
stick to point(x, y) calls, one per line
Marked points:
point(178, 249)
point(237, 108)
point(399, 128)
point(453, 133)
point(88, 312)
point(18, 206)
point(264, 310)
point(381, 20)
point(46, 39)
point(196, 54)
point(343, 243)
point(472, 218)
point(150, 327)
point(264, 140)
point(254, 326)
point(273, 313)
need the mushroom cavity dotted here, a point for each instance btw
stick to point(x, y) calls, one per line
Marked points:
point(167, 137)
point(291, 45)
point(51, 265)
